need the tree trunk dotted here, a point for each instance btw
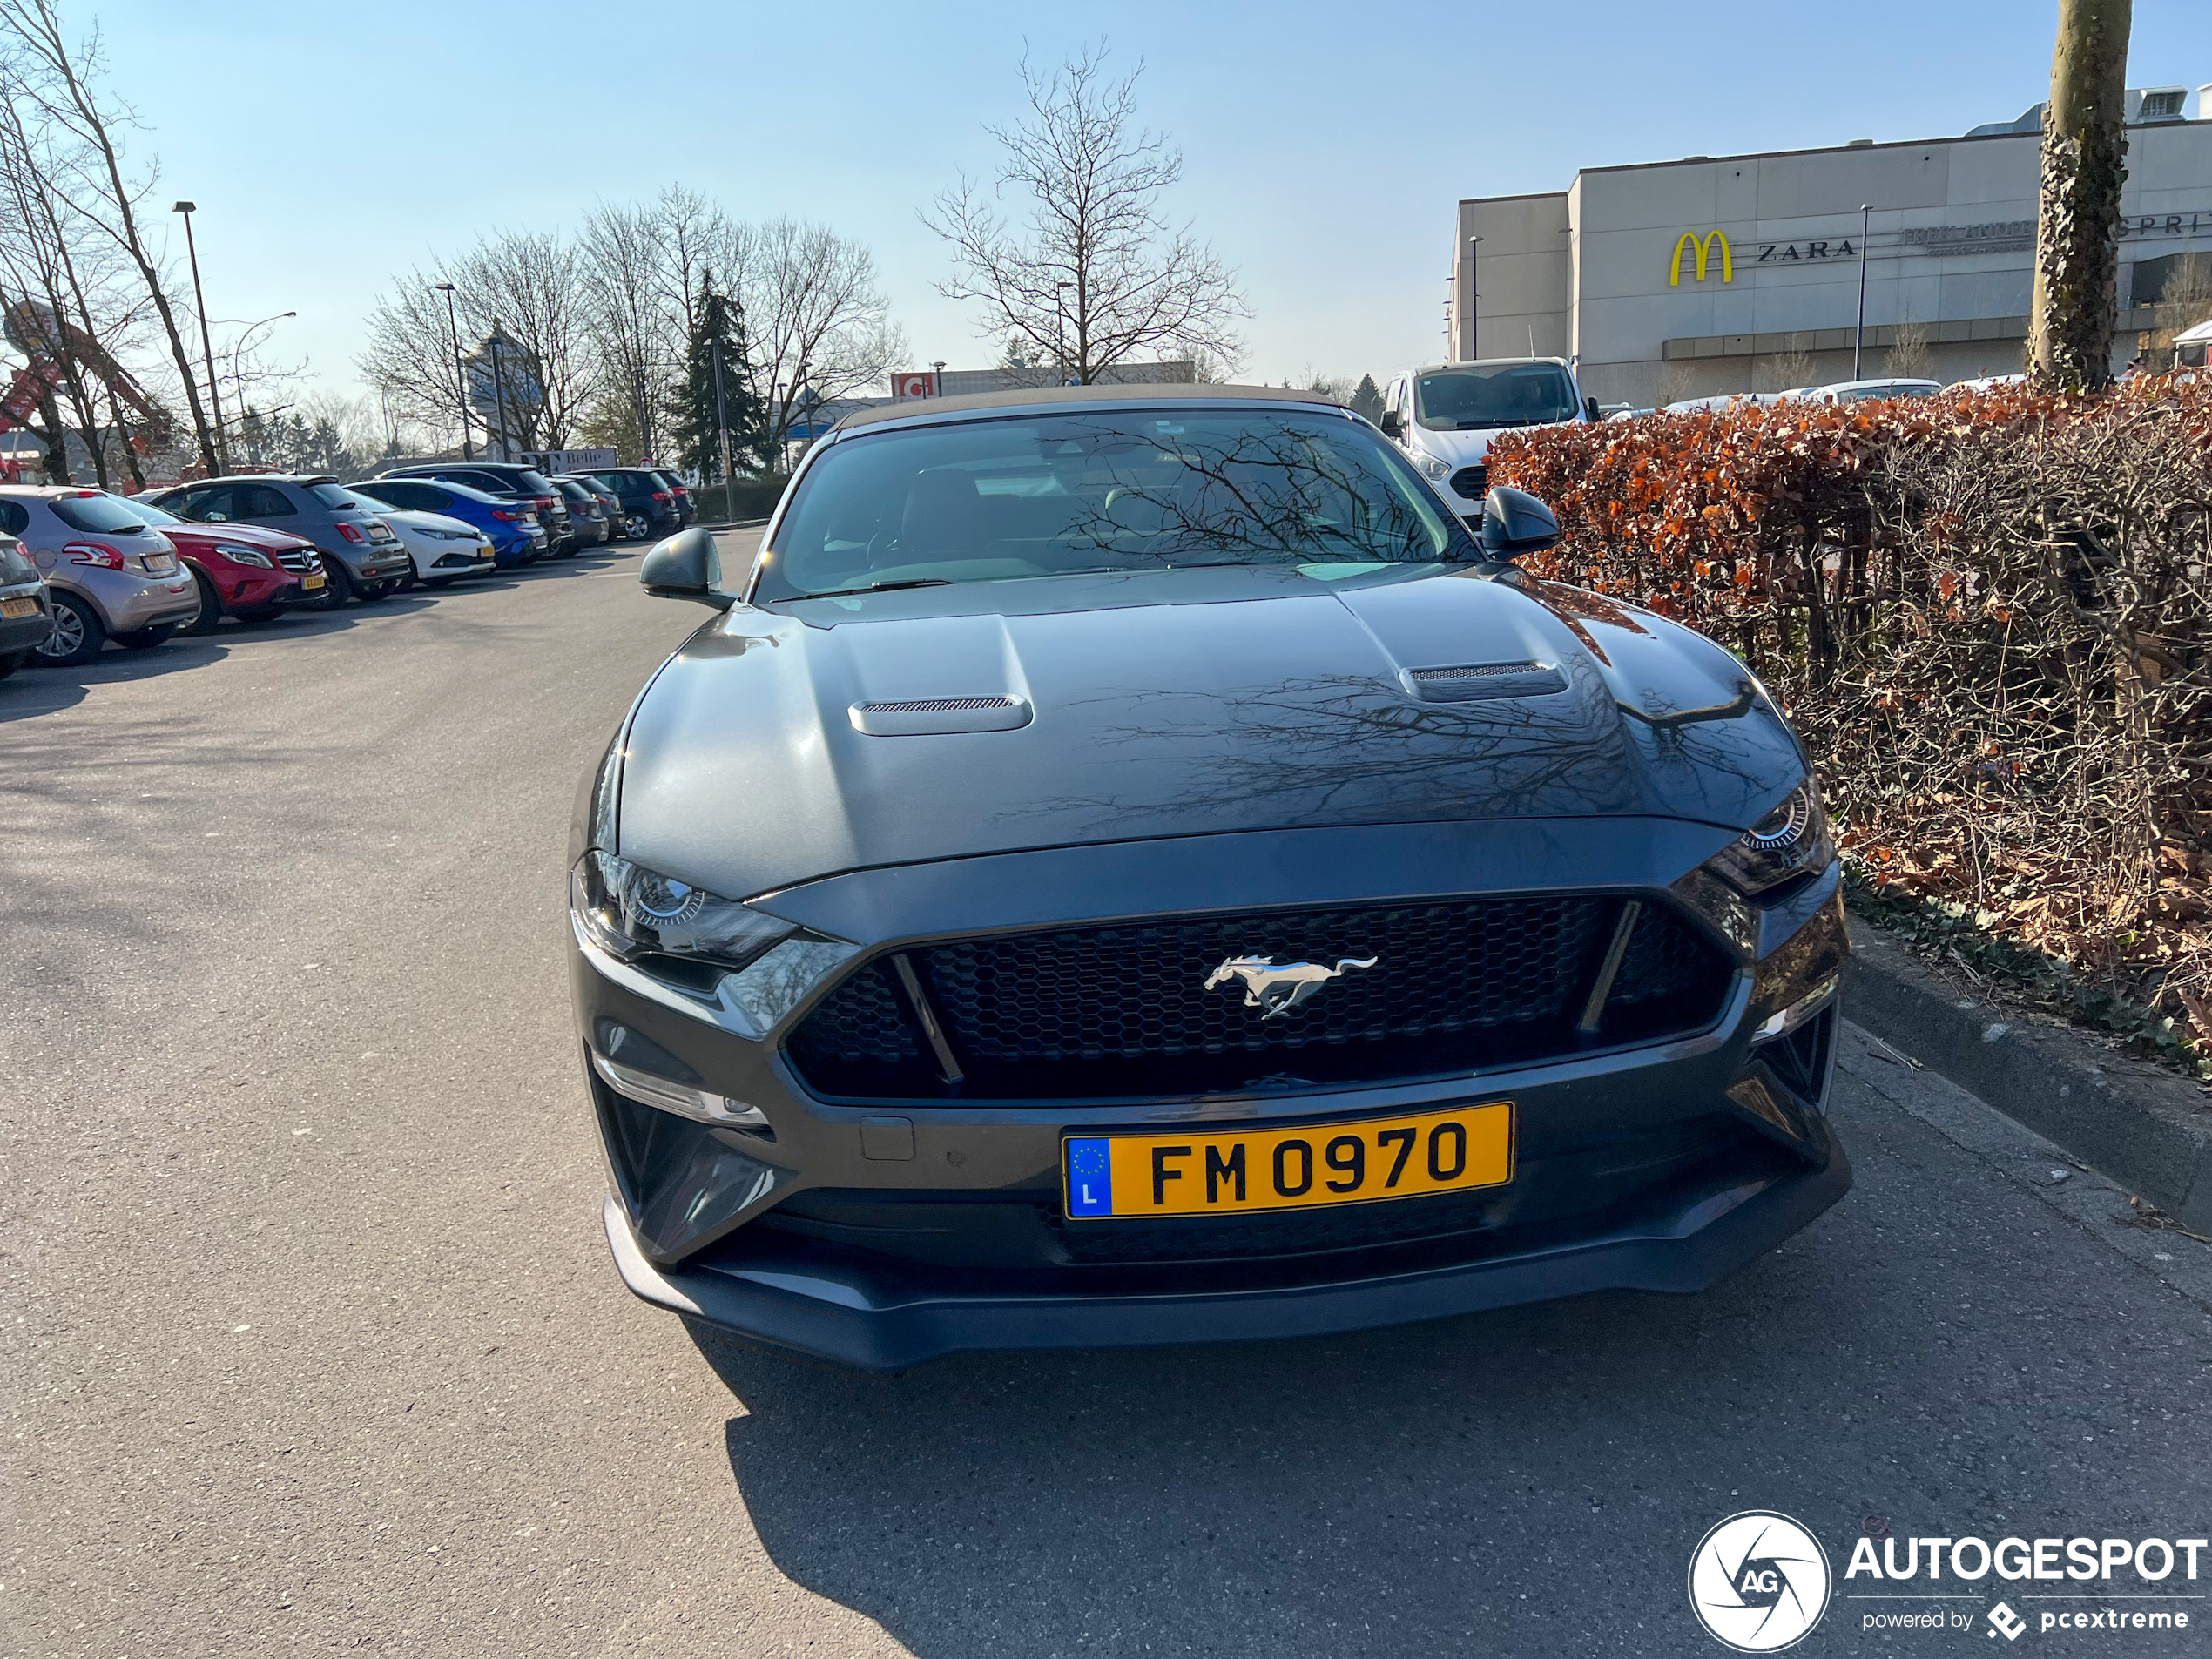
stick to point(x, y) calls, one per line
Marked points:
point(2085, 148)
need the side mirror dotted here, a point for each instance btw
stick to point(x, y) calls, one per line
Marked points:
point(686, 566)
point(1513, 523)
point(1589, 407)
point(1393, 424)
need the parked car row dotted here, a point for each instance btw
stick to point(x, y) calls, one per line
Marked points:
point(79, 566)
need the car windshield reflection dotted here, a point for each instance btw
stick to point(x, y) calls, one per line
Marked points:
point(1133, 490)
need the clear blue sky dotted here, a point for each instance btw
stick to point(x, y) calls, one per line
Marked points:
point(330, 147)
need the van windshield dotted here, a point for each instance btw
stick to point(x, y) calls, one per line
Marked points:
point(1472, 396)
point(1116, 488)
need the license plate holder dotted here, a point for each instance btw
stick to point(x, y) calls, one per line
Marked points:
point(15, 610)
point(1207, 1170)
point(313, 580)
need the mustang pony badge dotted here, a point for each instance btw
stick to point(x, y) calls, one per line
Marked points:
point(1276, 990)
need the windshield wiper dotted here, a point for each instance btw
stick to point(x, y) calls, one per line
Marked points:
point(881, 587)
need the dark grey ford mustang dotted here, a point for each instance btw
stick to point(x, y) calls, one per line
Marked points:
point(1127, 865)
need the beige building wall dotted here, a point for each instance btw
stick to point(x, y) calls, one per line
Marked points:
point(1949, 255)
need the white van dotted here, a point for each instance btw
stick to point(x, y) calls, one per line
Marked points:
point(1446, 415)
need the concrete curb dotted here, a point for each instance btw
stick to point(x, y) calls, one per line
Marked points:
point(2147, 1129)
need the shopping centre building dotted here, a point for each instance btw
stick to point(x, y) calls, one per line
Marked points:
point(1683, 278)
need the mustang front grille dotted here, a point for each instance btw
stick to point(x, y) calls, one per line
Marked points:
point(1199, 1004)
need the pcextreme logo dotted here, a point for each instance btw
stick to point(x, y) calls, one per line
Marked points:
point(1703, 245)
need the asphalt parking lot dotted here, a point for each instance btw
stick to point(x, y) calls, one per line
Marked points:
point(313, 1345)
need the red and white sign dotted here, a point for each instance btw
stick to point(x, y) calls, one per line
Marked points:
point(923, 385)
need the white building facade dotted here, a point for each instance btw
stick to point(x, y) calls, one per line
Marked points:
point(1713, 274)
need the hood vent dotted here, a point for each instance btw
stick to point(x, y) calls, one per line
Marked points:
point(1480, 682)
point(939, 716)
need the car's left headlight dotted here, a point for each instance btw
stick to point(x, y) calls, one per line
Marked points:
point(1431, 467)
point(1791, 841)
point(716, 958)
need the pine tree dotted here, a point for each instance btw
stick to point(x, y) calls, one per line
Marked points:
point(698, 420)
point(1366, 398)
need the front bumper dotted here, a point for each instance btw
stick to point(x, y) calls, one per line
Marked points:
point(880, 1235)
point(1681, 1241)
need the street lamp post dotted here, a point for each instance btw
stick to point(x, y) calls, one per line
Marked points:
point(499, 391)
point(1060, 330)
point(721, 422)
point(1858, 333)
point(460, 369)
point(937, 369)
point(206, 346)
point(1474, 297)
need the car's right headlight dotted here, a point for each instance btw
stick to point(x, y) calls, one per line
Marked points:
point(1791, 840)
point(1431, 467)
point(244, 556)
point(716, 958)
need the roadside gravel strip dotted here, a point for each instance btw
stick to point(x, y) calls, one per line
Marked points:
point(310, 1342)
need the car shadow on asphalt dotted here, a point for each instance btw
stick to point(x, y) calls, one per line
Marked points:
point(1407, 1491)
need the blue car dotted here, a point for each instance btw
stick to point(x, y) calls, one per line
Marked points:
point(516, 535)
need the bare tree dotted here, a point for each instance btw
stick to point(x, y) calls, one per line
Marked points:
point(1790, 367)
point(43, 66)
point(532, 287)
point(1096, 274)
point(2085, 150)
point(1911, 354)
point(820, 328)
point(623, 272)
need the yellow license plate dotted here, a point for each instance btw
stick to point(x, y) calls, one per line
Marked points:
point(311, 581)
point(14, 608)
point(1212, 1172)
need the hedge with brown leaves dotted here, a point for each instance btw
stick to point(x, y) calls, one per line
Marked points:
point(1987, 613)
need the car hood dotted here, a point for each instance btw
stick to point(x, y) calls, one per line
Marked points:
point(189, 536)
point(408, 518)
point(1465, 448)
point(784, 743)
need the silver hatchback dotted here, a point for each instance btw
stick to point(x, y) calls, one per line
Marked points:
point(110, 574)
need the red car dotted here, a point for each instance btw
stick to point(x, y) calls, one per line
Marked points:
point(244, 570)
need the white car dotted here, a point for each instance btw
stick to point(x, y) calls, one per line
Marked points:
point(1446, 415)
point(1864, 391)
point(442, 548)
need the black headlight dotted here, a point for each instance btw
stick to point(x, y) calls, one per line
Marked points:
point(716, 958)
point(1791, 841)
point(631, 912)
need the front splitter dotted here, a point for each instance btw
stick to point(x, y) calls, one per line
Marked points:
point(839, 1319)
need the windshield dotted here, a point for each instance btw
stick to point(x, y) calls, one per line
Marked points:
point(1117, 489)
point(150, 513)
point(340, 498)
point(97, 514)
point(1492, 394)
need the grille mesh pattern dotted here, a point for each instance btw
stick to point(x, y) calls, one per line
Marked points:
point(1125, 1010)
point(1472, 482)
